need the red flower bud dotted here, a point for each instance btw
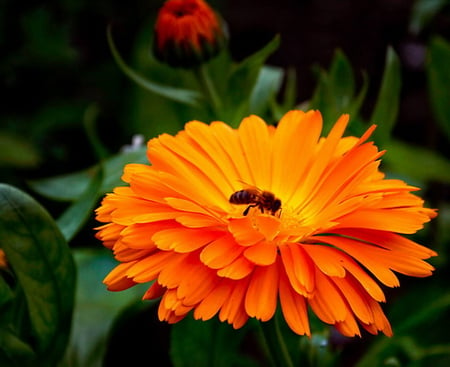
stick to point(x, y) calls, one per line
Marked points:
point(187, 33)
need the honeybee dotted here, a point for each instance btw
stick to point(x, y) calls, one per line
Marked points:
point(264, 200)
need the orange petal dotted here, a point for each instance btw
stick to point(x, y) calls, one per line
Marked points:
point(197, 220)
point(391, 220)
point(220, 252)
point(256, 147)
point(389, 240)
point(233, 309)
point(182, 239)
point(206, 137)
point(138, 236)
point(349, 327)
point(296, 136)
point(155, 291)
point(238, 269)
point(293, 306)
point(268, 226)
point(261, 297)
point(299, 268)
point(243, 231)
point(117, 279)
point(365, 254)
point(211, 304)
point(148, 269)
point(329, 260)
point(356, 298)
point(263, 253)
point(327, 302)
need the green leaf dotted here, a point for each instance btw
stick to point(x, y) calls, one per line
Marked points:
point(44, 271)
point(14, 352)
point(386, 107)
point(267, 86)
point(73, 218)
point(438, 74)
point(416, 162)
point(334, 94)
point(242, 82)
point(423, 11)
point(209, 343)
point(342, 80)
point(289, 97)
point(15, 151)
point(72, 186)
point(96, 308)
point(185, 96)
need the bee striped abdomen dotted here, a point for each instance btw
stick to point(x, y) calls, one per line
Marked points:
point(264, 200)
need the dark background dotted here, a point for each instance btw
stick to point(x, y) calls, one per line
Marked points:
point(55, 61)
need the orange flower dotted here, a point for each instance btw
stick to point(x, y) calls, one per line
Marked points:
point(338, 225)
point(187, 33)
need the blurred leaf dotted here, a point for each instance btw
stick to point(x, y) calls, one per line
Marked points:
point(151, 114)
point(386, 107)
point(44, 271)
point(412, 340)
point(15, 151)
point(267, 86)
point(185, 96)
point(242, 82)
point(72, 186)
point(209, 343)
point(46, 42)
point(438, 304)
point(317, 351)
point(334, 94)
point(89, 123)
point(416, 162)
point(73, 218)
point(438, 73)
point(289, 96)
point(342, 80)
point(14, 352)
point(423, 11)
point(95, 308)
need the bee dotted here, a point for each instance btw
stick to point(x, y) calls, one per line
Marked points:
point(256, 198)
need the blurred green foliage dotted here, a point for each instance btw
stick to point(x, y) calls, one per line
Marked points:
point(64, 121)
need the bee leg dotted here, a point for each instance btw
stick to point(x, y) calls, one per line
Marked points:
point(248, 208)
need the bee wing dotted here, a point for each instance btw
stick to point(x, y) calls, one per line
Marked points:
point(251, 188)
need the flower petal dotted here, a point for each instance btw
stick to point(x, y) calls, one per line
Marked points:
point(261, 297)
point(299, 268)
point(263, 253)
point(220, 253)
point(256, 146)
point(293, 306)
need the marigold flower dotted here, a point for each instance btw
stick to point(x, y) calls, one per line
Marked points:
point(338, 228)
point(187, 33)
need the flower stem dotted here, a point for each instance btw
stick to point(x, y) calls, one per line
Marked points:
point(275, 343)
point(209, 89)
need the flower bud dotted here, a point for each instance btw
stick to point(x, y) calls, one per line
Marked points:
point(187, 33)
